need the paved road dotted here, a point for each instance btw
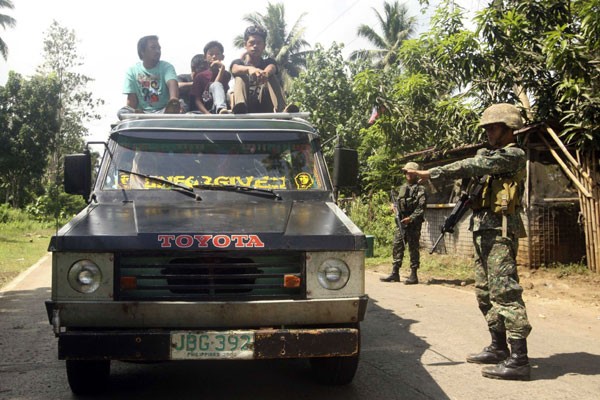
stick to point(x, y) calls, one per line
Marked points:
point(414, 342)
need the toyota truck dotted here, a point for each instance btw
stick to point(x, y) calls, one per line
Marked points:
point(208, 238)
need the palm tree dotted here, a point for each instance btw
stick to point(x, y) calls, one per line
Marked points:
point(6, 21)
point(396, 27)
point(283, 46)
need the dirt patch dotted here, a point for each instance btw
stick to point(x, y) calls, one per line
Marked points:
point(582, 289)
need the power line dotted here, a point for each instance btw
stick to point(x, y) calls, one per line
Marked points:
point(336, 19)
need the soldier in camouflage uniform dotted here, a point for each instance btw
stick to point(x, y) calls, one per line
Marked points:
point(411, 201)
point(496, 227)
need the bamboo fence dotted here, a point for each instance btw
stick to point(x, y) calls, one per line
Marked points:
point(590, 208)
point(584, 174)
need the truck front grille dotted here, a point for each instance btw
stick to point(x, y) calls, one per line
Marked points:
point(209, 276)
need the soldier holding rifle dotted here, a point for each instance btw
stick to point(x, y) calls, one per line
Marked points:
point(408, 208)
point(496, 227)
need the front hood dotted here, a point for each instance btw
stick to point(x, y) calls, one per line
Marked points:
point(273, 225)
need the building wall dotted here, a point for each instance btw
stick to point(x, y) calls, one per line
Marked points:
point(460, 242)
point(553, 234)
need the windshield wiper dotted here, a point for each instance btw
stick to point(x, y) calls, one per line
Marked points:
point(188, 191)
point(238, 188)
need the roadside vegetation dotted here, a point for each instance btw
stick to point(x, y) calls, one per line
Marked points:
point(23, 240)
point(437, 266)
point(458, 270)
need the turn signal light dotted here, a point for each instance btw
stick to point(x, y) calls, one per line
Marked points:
point(291, 281)
point(128, 282)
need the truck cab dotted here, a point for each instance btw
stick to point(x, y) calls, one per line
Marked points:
point(208, 238)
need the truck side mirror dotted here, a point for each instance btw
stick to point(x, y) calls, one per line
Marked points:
point(345, 167)
point(78, 174)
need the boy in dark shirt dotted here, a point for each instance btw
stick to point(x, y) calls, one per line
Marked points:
point(257, 87)
point(210, 81)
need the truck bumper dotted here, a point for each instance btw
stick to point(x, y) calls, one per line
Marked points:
point(156, 346)
point(104, 315)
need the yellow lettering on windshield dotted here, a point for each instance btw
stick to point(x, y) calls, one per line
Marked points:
point(263, 182)
point(223, 181)
point(247, 181)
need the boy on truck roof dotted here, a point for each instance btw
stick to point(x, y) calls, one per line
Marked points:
point(210, 81)
point(257, 87)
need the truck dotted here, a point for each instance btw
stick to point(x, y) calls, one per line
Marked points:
point(208, 237)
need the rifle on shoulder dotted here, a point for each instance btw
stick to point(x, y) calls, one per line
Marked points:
point(460, 208)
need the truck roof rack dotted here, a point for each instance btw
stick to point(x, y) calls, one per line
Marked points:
point(282, 116)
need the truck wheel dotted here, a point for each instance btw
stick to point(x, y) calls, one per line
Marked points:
point(334, 370)
point(88, 377)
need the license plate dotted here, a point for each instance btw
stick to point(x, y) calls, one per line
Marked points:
point(212, 345)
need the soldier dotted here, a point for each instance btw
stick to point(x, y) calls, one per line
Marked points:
point(496, 227)
point(410, 208)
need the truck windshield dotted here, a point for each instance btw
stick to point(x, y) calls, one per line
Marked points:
point(264, 160)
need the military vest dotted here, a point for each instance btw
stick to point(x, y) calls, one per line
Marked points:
point(501, 193)
point(407, 199)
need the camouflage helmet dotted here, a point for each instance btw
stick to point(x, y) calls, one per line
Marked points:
point(411, 165)
point(504, 113)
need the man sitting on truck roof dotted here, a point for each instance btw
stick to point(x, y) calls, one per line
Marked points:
point(257, 87)
point(151, 84)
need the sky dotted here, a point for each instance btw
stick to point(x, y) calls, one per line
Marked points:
point(107, 32)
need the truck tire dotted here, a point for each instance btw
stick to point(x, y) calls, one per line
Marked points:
point(88, 377)
point(336, 370)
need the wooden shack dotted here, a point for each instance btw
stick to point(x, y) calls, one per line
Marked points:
point(551, 212)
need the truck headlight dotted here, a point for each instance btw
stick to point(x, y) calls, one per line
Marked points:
point(85, 276)
point(333, 274)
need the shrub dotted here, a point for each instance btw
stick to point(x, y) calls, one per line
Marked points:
point(9, 214)
point(373, 214)
point(15, 218)
point(45, 207)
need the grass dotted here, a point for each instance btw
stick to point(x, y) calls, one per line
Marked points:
point(564, 270)
point(460, 269)
point(439, 266)
point(22, 243)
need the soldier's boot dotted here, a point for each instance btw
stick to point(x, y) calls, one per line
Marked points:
point(394, 276)
point(496, 352)
point(516, 367)
point(413, 279)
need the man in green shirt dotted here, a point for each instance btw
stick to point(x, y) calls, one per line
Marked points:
point(151, 84)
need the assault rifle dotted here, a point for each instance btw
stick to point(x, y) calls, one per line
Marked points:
point(397, 214)
point(461, 207)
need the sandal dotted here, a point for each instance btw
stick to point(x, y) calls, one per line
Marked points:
point(173, 107)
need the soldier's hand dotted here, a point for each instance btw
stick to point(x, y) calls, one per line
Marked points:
point(406, 220)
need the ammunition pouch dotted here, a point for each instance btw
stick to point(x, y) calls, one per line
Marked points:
point(501, 193)
point(406, 205)
point(401, 199)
